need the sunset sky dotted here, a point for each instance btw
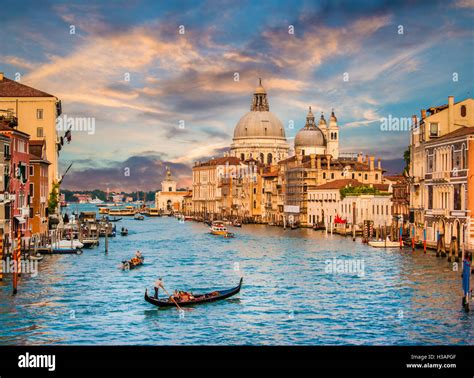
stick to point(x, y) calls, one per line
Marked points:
point(190, 77)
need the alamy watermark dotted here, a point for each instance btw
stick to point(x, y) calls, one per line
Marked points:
point(395, 123)
point(345, 266)
point(27, 266)
point(65, 123)
point(237, 171)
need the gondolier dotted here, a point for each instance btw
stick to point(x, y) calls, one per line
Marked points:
point(466, 284)
point(158, 284)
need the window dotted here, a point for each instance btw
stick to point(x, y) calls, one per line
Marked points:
point(39, 132)
point(430, 197)
point(457, 197)
point(324, 175)
point(376, 176)
point(254, 190)
point(433, 129)
point(254, 204)
point(269, 158)
point(332, 175)
point(302, 152)
point(170, 189)
point(6, 150)
point(365, 176)
point(463, 111)
point(39, 113)
point(32, 189)
point(32, 170)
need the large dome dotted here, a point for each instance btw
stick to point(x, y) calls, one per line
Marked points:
point(259, 124)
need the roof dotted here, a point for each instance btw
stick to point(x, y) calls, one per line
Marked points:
point(382, 187)
point(339, 184)
point(231, 160)
point(37, 159)
point(12, 88)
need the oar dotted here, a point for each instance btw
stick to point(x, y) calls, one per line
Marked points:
point(177, 305)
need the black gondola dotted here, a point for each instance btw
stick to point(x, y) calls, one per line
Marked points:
point(115, 219)
point(198, 298)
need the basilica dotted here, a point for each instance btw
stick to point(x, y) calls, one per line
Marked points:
point(284, 178)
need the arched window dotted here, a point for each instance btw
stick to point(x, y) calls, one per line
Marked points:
point(265, 131)
point(463, 110)
point(324, 175)
point(254, 204)
point(269, 158)
point(262, 158)
point(242, 157)
point(302, 152)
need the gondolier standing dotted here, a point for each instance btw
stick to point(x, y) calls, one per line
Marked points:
point(466, 284)
point(158, 284)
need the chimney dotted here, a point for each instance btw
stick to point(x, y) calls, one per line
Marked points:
point(423, 113)
point(414, 121)
point(371, 163)
point(359, 157)
point(366, 159)
point(379, 163)
point(318, 162)
point(1, 76)
point(450, 114)
point(313, 160)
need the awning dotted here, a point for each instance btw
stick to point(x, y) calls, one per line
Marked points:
point(20, 220)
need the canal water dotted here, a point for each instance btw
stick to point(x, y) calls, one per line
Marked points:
point(294, 292)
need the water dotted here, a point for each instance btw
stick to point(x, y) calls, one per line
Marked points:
point(287, 297)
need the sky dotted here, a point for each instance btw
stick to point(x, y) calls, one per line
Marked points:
point(159, 77)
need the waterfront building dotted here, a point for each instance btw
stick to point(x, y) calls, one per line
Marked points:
point(188, 203)
point(224, 187)
point(169, 199)
point(368, 207)
point(39, 182)
point(19, 187)
point(259, 134)
point(324, 201)
point(5, 211)
point(36, 112)
point(441, 193)
point(400, 189)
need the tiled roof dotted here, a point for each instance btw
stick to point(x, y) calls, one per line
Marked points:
point(12, 88)
point(339, 184)
point(382, 187)
point(232, 160)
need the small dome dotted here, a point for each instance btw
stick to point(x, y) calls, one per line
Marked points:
point(259, 124)
point(310, 137)
point(322, 121)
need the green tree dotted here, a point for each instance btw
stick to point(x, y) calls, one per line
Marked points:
point(407, 158)
point(53, 198)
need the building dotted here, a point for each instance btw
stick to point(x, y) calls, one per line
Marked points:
point(259, 134)
point(36, 112)
point(19, 183)
point(367, 207)
point(39, 182)
point(400, 189)
point(5, 205)
point(441, 193)
point(169, 199)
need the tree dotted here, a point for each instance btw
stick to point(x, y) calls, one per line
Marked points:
point(407, 158)
point(53, 198)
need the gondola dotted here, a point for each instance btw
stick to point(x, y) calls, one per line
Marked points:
point(115, 219)
point(198, 298)
point(128, 265)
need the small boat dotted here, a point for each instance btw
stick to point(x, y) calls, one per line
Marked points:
point(75, 244)
point(218, 228)
point(188, 218)
point(153, 212)
point(90, 243)
point(37, 257)
point(385, 244)
point(124, 232)
point(132, 263)
point(96, 201)
point(236, 224)
point(198, 298)
point(114, 219)
point(104, 210)
point(139, 217)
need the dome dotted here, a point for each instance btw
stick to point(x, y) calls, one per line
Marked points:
point(310, 137)
point(259, 124)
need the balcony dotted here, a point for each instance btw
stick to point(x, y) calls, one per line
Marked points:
point(440, 212)
point(441, 176)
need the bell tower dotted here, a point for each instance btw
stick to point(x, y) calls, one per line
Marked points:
point(333, 137)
